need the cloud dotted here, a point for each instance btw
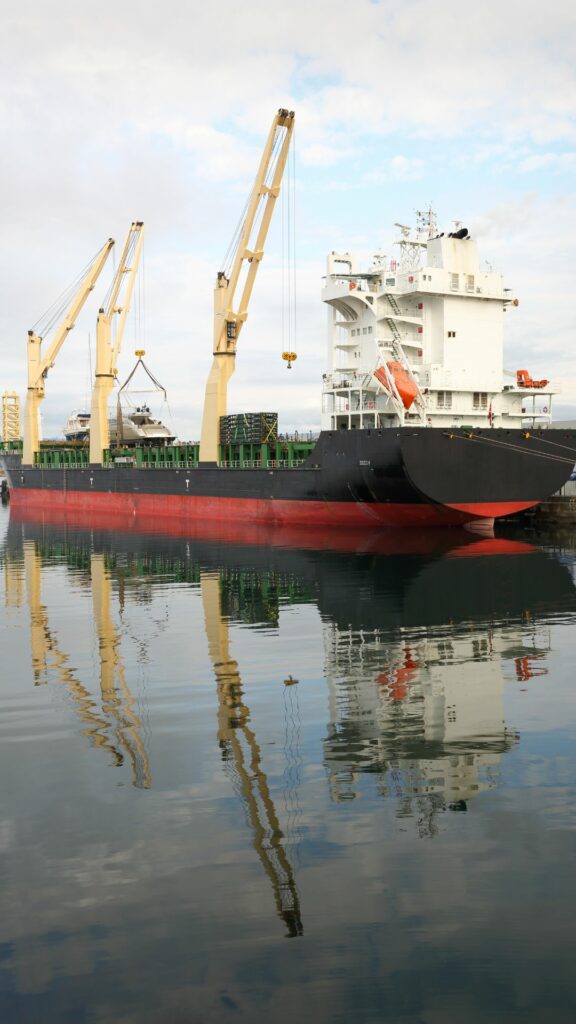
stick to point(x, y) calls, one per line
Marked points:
point(551, 161)
point(127, 115)
point(530, 241)
point(397, 168)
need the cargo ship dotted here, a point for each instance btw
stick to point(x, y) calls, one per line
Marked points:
point(421, 425)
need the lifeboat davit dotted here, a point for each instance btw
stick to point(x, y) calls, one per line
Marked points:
point(405, 384)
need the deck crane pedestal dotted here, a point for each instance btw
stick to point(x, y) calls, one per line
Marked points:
point(38, 368)
point(108, 349)
point(228, 322)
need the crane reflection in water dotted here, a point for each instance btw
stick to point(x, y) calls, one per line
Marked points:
point(419, 637)
point(242, 758)
point(112, 722)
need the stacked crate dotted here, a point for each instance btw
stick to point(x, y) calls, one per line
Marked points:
point(249, 428)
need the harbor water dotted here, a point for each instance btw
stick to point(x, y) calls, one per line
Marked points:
point(273, 776)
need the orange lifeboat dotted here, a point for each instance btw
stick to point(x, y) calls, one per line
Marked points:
point(405, 384)
point(524, 380)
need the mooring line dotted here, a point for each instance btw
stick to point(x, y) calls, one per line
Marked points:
point(510, 447)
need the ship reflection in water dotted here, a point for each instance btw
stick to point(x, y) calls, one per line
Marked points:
point(300, 706)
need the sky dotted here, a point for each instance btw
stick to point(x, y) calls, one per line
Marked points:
point(124, 111)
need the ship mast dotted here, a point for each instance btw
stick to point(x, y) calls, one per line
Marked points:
point(228, 319)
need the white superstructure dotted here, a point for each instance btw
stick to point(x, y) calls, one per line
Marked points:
point(419, 340)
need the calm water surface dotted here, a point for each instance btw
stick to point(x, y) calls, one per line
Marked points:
point(244, 779)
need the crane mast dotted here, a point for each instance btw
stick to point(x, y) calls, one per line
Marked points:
point(108, 349)
point(228, 321)
point(38, 367)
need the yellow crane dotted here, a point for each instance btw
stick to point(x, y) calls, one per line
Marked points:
point(228, 321)
point(107, 347)
point(38, 367)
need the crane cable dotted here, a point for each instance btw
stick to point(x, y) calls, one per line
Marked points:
point(56, 310)
point(294, 294)
point(235, 240)
point(129, 254)
point(288, 259)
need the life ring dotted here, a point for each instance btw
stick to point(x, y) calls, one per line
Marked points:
point(545, 408)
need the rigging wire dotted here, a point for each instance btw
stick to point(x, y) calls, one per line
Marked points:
point(282, 270)
point(293, 148)
point(232, 249)
point(289, 255)
point(230, 253)
point(143, 286)
point(129, 255)
point(56, 310)
point(90, 378)
point(288, 259)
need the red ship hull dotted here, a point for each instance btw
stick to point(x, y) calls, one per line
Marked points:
point(270, 512)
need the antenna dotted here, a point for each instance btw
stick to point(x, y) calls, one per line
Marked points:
point(426, 223)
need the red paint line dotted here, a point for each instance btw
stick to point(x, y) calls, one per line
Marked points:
point(493, 509)
point(191, 508)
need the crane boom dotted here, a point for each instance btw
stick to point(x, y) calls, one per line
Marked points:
point(38, 367)
point(108, 350)
point(227, 320)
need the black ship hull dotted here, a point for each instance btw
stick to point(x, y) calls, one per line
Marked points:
point(404, 477)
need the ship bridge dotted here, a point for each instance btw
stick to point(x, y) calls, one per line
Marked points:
point(418, 338)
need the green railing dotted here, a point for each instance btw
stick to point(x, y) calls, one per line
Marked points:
point(278, 455)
